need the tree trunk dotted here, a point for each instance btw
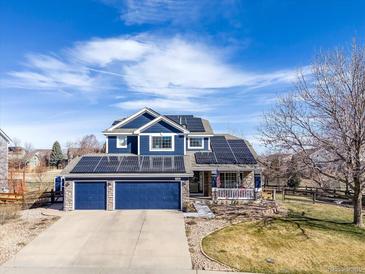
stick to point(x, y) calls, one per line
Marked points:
point(358, 207)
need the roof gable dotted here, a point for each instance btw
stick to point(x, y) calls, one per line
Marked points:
point(133, 117)
point(4, 136)
point(161, 124)
point(139, 121)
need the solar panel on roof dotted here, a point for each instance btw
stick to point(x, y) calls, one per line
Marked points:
point(222, 150)
point(86, 164)
point(226, 152)
point(108, 164)
point(130, 164)
point(193, 124)
point(205, 158)
point(242, 152)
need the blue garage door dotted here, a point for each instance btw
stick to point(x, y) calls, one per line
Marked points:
point(90, 195)
point(147, 195)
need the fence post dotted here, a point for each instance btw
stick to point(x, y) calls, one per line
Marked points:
point(52, 196)
point(314, 196)
point(283, 193)
point(274, 194)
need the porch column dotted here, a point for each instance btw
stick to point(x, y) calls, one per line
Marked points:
point(207, 183)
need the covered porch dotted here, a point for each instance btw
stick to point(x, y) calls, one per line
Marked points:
point(225, 184)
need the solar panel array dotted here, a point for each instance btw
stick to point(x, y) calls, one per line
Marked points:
point(226, 152)
point(193, 124)
point(130, 164)
point(241, 151)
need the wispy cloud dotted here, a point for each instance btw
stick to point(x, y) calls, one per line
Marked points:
point(182, 12)
point(171, 73)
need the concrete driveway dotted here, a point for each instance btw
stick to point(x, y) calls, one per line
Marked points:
point(122, 239)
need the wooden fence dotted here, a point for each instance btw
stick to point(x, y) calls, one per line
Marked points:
point(314, 193)
point(32, 199)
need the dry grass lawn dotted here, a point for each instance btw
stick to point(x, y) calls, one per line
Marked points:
point(311, 238)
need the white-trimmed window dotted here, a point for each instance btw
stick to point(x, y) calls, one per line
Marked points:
point(196, 143)
point(121, 141)
point(229, 180)
point(162, 143)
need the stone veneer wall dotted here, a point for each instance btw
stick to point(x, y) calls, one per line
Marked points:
point(3, 164)
point(110, 189)
point(185, 194)
point(68, 196)
point(248, 179)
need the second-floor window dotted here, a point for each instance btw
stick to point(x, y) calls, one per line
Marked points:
point(121, 141)
point(196, 142)
point(161, 143)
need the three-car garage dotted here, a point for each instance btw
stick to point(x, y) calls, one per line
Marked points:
point(92, 195)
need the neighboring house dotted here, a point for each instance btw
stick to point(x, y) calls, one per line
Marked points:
point(36, 158)
point(16, 153)
point(4, 142)
point(155, 161)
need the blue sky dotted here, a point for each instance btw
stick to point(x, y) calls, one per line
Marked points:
point(69, 68)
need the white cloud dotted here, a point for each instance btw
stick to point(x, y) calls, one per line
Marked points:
point(158, 11)
point(47, 72)
point(105, 51)
point(173, 71)
point(165, 104)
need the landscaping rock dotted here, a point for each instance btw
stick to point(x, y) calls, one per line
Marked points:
point(225, 214)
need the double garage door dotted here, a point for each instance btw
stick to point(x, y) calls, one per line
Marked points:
point(129, 195)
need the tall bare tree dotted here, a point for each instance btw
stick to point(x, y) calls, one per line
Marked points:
point(89, 144)
point(326, 113)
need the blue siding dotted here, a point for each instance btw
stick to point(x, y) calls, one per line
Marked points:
point(139, 121)
point(257, 181)
point(90, 195)
point(163, 127)
point(147, 195)
point(206, 141)
point(132, 145)
point(145, 148)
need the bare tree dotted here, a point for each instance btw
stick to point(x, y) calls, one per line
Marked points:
point(28, 147)
point(40, 174)
point(326, 113)
point(89, 144)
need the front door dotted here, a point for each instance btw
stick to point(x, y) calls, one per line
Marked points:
point(196, 184)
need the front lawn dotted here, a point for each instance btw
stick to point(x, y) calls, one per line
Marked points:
point(310, 238)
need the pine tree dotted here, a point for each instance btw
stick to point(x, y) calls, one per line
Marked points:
point(56, 154)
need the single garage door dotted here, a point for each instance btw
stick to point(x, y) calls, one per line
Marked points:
point(147, 195)
point(90, 195)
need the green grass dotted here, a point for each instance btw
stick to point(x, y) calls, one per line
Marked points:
point(312, 238)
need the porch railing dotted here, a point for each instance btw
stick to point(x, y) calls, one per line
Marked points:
point(233, 193)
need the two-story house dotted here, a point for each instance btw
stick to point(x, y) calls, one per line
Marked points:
point(4, 142)
point(155, 161)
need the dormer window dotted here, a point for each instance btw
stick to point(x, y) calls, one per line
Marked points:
point(121, 141)
point(196, 143)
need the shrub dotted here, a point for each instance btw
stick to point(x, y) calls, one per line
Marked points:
point(294, 181)
point(8, 212)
